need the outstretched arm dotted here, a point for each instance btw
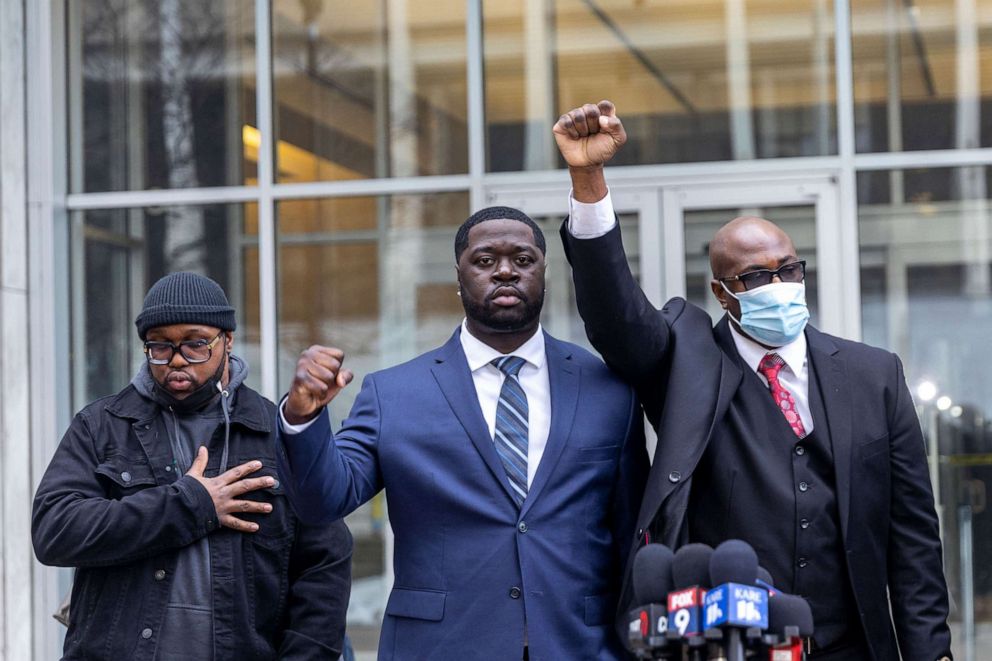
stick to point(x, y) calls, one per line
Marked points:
point(621, 323)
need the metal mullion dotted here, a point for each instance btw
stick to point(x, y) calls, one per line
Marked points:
point(267, 253)
point(476, 90)
point(328, 238)
point(49, 301)
point(678, 173)
point(923, 159)
point(372, 187)
point(152, 198)
point(843, 221)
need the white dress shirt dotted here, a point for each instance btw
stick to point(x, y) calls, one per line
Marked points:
point(592, 220)
point(488, 380)
point(533, 378)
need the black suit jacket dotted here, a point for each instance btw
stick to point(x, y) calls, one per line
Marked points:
point(685, 382)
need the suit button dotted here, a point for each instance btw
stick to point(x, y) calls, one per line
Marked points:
point(146, 633)
point(804, 523)
point(514, 593)
point(802, 563)
point(804, 487)
point(522, 526)
point(640, 532)
point(674, 477)
point(159, 574)
point(800, 450)
point(126, 476)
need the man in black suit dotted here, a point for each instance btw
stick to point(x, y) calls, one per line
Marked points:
point(805, 445)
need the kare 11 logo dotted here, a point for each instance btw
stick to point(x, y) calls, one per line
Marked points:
point(735, 605)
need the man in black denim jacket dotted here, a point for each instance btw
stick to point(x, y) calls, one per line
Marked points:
point(165, 498)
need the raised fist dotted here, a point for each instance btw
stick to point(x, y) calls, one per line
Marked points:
point(590, 135)
point(318, 380)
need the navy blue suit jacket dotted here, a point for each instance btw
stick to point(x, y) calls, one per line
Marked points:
point(472, 570)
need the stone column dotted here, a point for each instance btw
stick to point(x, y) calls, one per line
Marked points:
point(16, 563)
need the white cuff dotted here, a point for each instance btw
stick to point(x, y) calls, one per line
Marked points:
point(588, 220)
point(292, 430)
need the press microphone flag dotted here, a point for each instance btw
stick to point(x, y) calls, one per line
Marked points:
point(690, 572)
point(735, 601)
point(647, 625)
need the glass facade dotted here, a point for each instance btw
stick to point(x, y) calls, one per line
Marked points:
point(922, 74)
point(926, 273)
point(369, 89)
point(315, 157)
point(161, 93)
point(708, 80)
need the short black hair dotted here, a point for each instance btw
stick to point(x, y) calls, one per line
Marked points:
point(497, 213)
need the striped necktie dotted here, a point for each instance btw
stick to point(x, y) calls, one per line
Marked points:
point(510, 436)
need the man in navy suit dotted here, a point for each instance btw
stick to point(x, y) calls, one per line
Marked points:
point(803, 444)
point(513, 464)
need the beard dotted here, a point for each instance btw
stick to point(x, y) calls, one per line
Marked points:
point(504, 320)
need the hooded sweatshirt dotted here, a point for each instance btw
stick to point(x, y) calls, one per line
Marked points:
point(187, 628)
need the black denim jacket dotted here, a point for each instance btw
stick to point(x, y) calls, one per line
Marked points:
point(112, 505)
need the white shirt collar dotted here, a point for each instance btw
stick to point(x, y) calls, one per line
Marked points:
point(793, 353)
point(479, 354)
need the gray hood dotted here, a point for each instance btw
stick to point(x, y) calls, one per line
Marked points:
point(194, 421)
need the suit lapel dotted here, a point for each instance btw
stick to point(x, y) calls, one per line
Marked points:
point(831, 375)
point(453, 376)
point(563, 376)
point(702, 382)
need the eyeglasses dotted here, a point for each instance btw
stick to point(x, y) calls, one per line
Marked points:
point(791, 272)
point(194, 351)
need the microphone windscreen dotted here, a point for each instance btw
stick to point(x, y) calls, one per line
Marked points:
point(733, 561)
point(691, 566)
point(763, 575)
point(789, 610)
point(652, 574)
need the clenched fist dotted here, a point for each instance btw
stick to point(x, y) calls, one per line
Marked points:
point(318, 379)
point(589, 136)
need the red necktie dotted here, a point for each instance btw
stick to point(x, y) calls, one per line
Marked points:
point(770, 366)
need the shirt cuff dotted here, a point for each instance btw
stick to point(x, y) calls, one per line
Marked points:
point(292, 430)
point(589, 220)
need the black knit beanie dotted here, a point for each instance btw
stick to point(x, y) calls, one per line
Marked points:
point(185, 298)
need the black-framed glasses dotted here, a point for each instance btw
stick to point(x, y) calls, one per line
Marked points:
point(194, 351)
point(791, 272)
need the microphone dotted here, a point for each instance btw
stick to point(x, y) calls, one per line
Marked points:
point(736, 603)
point(790, 620)
point(691, 575)
point(647, 625)
point(765, 580)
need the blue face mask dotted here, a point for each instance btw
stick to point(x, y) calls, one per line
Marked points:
point(775, 314)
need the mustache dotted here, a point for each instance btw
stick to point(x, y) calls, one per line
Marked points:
point(502, 290)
